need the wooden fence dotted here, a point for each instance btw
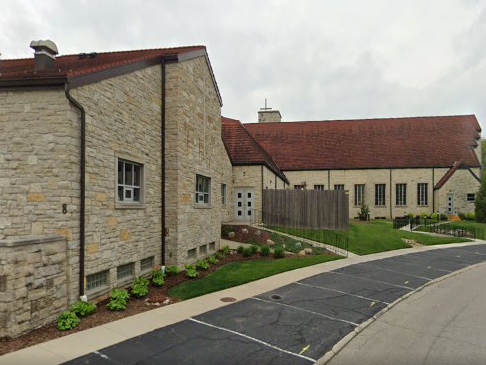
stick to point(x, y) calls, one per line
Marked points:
point(317, 209)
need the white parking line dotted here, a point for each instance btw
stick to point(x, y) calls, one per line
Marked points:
point(421, 266)
point(342, 292)
point(254, 339)
point(372, 280)
point(395, 271)
point(305, 310)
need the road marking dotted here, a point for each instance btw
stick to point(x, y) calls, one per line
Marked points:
point(372, 280)
point(372, 304)
point(397, 272)
point(406, 282)
point(342, 292)
point(428, 267)
point(103, 356)
point(304, 349)
point(254, 339)
point(305, 310)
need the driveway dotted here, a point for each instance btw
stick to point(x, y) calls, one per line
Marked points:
point(295, 324)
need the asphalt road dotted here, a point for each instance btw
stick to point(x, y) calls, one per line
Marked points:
point(295, 324)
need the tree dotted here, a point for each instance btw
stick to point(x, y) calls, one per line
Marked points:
point(481, 200)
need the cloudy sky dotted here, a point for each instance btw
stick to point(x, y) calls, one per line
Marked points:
point(312, 59)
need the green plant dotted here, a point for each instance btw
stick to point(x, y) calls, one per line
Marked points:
point(191, 271)
point(265, 250)
point(410, 215)
point(247, 252)
point(254, 248)
point(140, 287)
point(83, 309)
point(226, 250)
point(118, 300)
point(157, 277)
point(434, 216)
point(219, 255)
point(471, 216)
point(240, 249)
point(444, 217)
point(226, 229)
point(213, 260)
point(363, 212)
point(480, 201)
point(202, 265)
point(67, 321)
point(424, 215)
point(172, 270)
point(279, 253)
point(462, 216)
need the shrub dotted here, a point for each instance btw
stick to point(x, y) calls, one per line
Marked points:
point(443, 217)
point(219, 255)
point(140, 287)
point(191, 271)
point(410, 215)
point(471, 216)
point(254, 249)
point(226, 250)
point(157, 277)
point(226, 229)
point(434, 216)
point(363, 212)
point(67, 321)
point(247, 252)
point(202, 265)
point(213, 260)
point(278, 253)
point(83, 309)
point(172, 270)
point(480, 201)
point(265, 250)
point(424, 215)
point(240, 249)
point(118, 300)
point(462, 216)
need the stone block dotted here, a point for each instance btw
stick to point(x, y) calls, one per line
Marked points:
point(100, 197)
point(66, 232)
point(125, 235)
point(92, 248)
point(231, 235)
point(111, 221)
point(36, 197)
point(301, 253)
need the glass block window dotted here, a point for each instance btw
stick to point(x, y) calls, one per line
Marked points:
point(98, 280)
point(299, 187)
point(422, 194)
point(203, 188)
point(338, 186)
point(380, 194)
point(147, 264)
point(471, 197)
point(203, 250)
point(359, 191)
point(129, 181)
point(125, 271)
point(401, 194)
point(191, 254)
point(223, 194)
point(318, 187)
point(212, 247)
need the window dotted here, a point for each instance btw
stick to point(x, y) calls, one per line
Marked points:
point(401, 194)
point(203, 250)
point(203, 187)
point(223, 194)
point(318, 187)
point(191, 254)
point(98, 280)
point(359, 190)
point(125, 271)
point(380, 194)
point(129, 181)
point(422, 194)
point(471, 197)
point(212, 247)
point(299, 187)
point(147, 264)
point(338, 186)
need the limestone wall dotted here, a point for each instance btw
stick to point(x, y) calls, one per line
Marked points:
point(459, 185)
point(33, 283)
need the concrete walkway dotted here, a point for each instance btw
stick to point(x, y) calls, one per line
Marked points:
point(69, 347)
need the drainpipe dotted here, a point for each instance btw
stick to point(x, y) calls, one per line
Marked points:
point(391, 195)
point(162, 162)
point(82, 164)
point(433, 191)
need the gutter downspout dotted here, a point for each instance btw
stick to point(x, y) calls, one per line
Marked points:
point(391, 195)
point(162, 162)
point(433, 190)
point(82, 202)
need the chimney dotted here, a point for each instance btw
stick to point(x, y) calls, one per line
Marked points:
point(44, 55)
point(267, 115)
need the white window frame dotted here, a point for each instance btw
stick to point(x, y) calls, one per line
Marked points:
point(422, 194)
point(129, 188)
point(380, 195)
point(473, 197)
point(339, 187)
point(401, 195)
point(319, 187)
point(359, 194)
point(202, 194)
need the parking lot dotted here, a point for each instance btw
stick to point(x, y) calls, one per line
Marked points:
point(294, 324)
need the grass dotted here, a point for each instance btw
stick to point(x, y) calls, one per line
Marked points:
point(372, 237)
point(241, 272)
point(479, 228)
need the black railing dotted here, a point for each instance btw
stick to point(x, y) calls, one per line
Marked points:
point(453, 230)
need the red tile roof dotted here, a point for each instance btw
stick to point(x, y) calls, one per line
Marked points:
point(73, 65)
point(448, 175)
point(370, 143)
point(243, 149)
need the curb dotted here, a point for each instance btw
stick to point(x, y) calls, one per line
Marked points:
point(346, 339)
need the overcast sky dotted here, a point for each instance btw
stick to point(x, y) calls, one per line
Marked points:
point(313, 60)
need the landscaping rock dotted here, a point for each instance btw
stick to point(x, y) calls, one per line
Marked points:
point(244, 230)
point(167, 301)
point(301, 253)
point(270, 242)
point(308, 251)
point(298, 245)
point(258, 233)
point(288, 253)
point(231, 235)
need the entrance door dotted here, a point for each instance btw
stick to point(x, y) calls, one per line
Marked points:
point(244, 203)
point(450, 203)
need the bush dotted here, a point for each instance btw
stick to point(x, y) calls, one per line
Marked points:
point(172, 270)
point(471, 216)
point(157, 277)
point(424, 215)
point(118, 300)
point(363, 212)
point(213, 260)
point(462, 216)
point(226, 229)
point(219, 255)
point(247, 252)
point(254, 249)
point(279, 253)
point(410, 215)
point(434, 216)
point(83, 309)
point(240, 249)
point(191, 271)
point(480, 201)
point(444, 217)
point(265, 250)
point(140, 287)
point(226, 250)
point(202, 265)
point(67, 321)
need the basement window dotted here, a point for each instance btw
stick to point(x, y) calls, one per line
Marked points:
point(338, 186)
point(96, 281)
point(125, 271)
point(318, 187)
point(147, 264)
point(299, 187)
point(129, 181)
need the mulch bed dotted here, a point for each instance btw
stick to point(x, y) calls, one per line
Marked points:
point(254, 234)
point(153, 300)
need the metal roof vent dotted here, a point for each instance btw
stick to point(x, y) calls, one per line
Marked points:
point(44, 54)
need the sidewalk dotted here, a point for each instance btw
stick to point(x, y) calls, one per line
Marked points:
point(78, 344)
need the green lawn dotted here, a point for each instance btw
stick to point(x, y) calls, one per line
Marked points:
point(370, 237)
point(480, 228)
point(241, 272)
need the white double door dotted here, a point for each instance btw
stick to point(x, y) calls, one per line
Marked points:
point(244, 203)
